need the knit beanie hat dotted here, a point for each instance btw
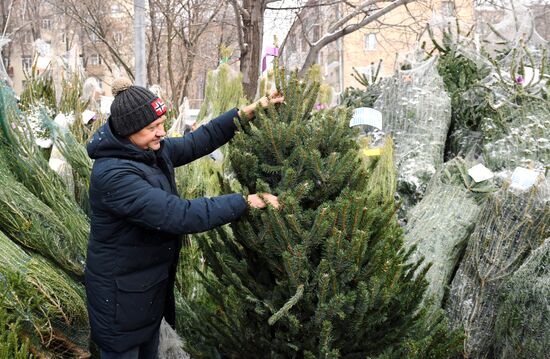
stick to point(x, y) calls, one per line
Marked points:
point(133, 108)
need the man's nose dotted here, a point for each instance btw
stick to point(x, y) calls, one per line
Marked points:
point(161, 132)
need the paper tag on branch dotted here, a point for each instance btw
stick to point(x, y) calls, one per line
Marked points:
point(106, 102)
point(480, 173)
point(372, 152)
point(523, 178)
point(366, 116)
point(87, 116)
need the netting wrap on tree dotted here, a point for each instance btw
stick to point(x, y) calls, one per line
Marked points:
point(440, 224)
point(223, 90)
point(417, 112)
point(523, 321)
point(520, 138)
point(33, 224)
point(28, 165)
point(516, 26)
point(50, 304)
point(510, 226)
point(4, 40)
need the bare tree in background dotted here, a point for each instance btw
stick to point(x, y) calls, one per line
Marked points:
point(353, 16)
point(249, 15)
point(250, 22)
point(175, 39)
point(94, 16)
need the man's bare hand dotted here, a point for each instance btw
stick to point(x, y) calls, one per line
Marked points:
point(261, 200)
point(274, 98)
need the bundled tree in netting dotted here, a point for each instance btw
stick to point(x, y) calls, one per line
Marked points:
point(49, 304)
point(510, 226)
point(440, 224)
point(30, 222)
point(462, 70)
point(30, 167)
point(523, 320)
point(519, 132)
point(69, 152)
point(12, 343)
point(383, 178)
point(326, 276)
point(417, 113)
point(223, 91)
point(39, 89)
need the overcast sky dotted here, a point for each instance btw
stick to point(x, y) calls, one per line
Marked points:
point(278, 22)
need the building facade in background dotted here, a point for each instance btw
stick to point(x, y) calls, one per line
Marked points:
point(95, 38)
point(391, 39)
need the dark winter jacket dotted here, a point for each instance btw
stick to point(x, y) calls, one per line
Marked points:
point(136, 223)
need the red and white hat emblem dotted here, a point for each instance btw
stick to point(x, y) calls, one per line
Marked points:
point(158, 106)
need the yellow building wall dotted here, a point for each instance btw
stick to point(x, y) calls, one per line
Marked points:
point(397, 34)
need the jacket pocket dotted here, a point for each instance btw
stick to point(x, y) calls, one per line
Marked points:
point(140, 299)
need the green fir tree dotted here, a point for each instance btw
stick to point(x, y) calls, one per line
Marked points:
point(326, 275)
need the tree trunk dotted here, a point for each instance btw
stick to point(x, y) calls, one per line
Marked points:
point(169, 44)
point(187, 78)
point(252, 36)
point(311, 58)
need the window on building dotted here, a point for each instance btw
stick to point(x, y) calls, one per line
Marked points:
point(44, 47)
point(95, 59)
point(116, 11)
point(448, 8)
point(370, 41)
point(26, 62)
point(46, 24)
point(118, 37)
point(292, 44)
point(315, 32)
point(27, 38)
point(93, 37)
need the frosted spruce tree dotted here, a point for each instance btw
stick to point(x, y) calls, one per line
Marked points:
point(325, 275)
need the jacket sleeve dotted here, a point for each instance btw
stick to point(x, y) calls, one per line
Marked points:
point(129, 196)
point(204, 140)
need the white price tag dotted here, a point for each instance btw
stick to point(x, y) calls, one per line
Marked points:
point(106, 102)
point(366, 116)
point(480, 173)
point(43, 62)
point(87, 116)
point(523, 178)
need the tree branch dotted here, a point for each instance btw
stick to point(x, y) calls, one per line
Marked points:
point(351, 15)
point(240, 34)
point(333, 35)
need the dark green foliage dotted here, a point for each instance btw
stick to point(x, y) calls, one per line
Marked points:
point(325, 275)
point(352, 97)
point(12, 344)
point(470, 100)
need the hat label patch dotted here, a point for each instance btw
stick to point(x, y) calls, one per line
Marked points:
point(159, 107)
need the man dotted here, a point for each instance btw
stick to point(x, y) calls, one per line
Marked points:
point(137, 217)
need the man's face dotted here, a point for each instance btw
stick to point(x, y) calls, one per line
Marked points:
point(150, 136)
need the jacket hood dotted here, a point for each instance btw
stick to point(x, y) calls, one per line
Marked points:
point(105, 143)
